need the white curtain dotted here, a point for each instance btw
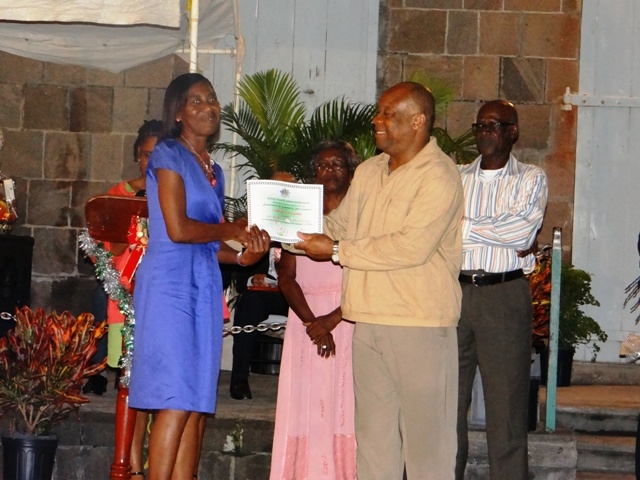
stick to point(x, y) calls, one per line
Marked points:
point(113, 47)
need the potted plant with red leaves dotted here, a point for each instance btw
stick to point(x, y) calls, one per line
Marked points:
point(43, 362)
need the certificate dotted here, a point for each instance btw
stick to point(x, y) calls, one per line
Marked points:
point(283, 208)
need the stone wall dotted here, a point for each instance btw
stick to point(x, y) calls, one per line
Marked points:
point(69, 134)
point(69, 130)
point(525, 51)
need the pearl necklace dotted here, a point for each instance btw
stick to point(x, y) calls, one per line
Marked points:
point(208, 169)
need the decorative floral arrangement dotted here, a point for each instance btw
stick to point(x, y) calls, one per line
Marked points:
point(43, 362)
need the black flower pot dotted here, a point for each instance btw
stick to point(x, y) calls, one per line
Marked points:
point(565, 365)
point(28, 457)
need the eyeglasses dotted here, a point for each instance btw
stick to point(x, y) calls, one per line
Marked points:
point(489, 126)
point(335, 166)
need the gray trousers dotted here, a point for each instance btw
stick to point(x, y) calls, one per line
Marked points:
point(405, 384)
point(494, 334)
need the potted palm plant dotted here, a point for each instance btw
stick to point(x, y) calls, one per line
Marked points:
point(43, 362)
point(276, 135)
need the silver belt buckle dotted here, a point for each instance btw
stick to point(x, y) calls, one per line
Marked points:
point(474, 278)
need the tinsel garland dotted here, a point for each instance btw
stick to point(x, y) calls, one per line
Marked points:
point(110, 277)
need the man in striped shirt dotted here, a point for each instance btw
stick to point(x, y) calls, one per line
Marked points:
point(504, 206)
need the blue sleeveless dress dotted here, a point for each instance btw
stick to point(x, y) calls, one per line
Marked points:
point(177, 299)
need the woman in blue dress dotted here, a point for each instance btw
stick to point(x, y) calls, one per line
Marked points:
point(178, 288)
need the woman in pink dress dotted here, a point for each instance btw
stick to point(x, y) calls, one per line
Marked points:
point(314, 434)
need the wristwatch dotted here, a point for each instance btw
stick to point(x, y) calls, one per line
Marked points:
point(335, 258)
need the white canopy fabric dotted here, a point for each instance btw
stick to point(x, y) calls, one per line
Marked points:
point(113, 47)
point(114, 12)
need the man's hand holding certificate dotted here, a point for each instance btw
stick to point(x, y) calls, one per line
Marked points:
point(283, 209)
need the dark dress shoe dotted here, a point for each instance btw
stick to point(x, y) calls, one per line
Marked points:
point(240, 390)
point(97, 384)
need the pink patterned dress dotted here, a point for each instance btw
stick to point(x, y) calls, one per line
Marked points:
point(314, 434)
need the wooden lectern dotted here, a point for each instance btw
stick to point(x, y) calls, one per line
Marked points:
point(108, 218)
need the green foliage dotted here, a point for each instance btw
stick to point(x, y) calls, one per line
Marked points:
point(268, 115)
point(462, 149)
point(575, 326)
point(43, 362)
point(276, 137)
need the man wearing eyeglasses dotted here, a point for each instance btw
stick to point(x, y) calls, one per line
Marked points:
point(504, 206)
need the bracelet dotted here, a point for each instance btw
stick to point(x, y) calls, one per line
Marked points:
point(238, 259)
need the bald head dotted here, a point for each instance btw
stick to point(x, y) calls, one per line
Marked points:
point(422, 98)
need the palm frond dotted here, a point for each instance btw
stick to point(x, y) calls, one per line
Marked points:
point(443, 92)
point(461, 149)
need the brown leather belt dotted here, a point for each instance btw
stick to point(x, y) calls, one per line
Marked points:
point(484, 279)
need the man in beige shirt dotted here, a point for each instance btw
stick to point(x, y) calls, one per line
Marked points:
point(397, 235)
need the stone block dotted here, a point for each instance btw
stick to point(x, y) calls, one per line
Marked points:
point(106, 158)
point(252, 467)
point(156, 101)
point(91, 109)
point(40, 291)
point(445, 68)
point(73, 294)
point(390, 71)
point(97, 76)
point(45, 107)
point(57, 74)
point(67, 156)
point(500, 33)
point(551, 35)
point(460, 116)
point(16, 69)
point(49, 203)
point(534, 126)
point(572, 6)
point(483, 4)
point(11, 101)
point(533, 5)
point(130, 106)
point(417, 31)
point(55, 253)
point(21, 155)
point(522, 79)
point(86, 463)
point(480, 78)
point(560, 75)
point(156, 73)
point(462, 33)
point(434, 4)
point(81, 192)
point(561, 171)
point(217, 465)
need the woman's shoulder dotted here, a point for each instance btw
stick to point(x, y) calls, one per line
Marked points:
point(167, 154)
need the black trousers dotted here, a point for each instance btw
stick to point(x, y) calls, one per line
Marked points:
point(494, 334)
point(253, 307)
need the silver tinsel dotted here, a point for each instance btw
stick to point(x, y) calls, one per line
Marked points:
point(110, 277)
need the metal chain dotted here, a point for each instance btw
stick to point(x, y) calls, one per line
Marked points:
point(253, 328)
point(226, 331)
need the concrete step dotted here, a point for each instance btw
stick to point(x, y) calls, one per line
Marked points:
point(606, 454)
point(551, 456)
point(604, 476)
